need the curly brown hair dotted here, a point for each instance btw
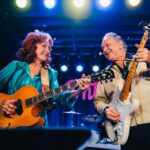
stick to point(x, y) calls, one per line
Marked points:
point(27, 51)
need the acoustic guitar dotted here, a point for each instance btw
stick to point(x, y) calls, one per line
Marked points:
point(29, 102)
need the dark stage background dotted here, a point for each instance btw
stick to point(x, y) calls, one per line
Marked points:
point(75, 40)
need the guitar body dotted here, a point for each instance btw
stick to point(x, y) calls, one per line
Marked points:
point(29, 116)
point(118, 132)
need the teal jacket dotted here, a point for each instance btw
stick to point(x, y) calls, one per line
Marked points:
point(17, 74)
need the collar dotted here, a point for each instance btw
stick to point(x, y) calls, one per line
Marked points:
point(25, 66)
point(127, 60)
point(124, 70)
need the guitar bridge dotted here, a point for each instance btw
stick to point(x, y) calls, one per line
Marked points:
point(19, 109)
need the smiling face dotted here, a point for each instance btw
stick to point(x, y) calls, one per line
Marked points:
point(113, 49)
point(43, 51)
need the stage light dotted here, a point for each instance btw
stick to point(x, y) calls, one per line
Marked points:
point(94, 62)
point(64, 63)
point(21, 3)
point(79, 63)
point(105, 3)
point(95, 68)
point(77, 9)
point(133, 3)
point(79, 68)
point(100, 53)
point(50, 3)
point(64, 68)
point(79, 3)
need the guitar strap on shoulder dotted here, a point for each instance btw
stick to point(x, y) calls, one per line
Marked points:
point(45, 80)
point(45, 84)
point(46, 87)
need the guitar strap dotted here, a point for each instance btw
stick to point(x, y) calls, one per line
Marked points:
point(45, 84)
point(46, 87)
point(45, 80)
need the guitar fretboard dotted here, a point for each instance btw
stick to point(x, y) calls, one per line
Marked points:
point(46, 95)
point(103, 75)
point(126, 88)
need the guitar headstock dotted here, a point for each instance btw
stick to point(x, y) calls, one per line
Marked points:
point(105, 75)
point(145, 25)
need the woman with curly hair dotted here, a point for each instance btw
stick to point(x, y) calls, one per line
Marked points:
point(33, 56)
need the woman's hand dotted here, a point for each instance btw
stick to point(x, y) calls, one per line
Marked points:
point(7, 107)
point(84, 82)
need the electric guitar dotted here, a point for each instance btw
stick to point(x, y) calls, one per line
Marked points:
point(122, 102)
point(29, 102)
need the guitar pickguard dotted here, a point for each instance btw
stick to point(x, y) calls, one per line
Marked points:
point(118, 132)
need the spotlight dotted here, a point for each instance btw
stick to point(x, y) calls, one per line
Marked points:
point(79, 68)
point(21, 3)
point(95, 62)
point(79, 3)
point(64, 61)
point(50, 3)
point(134, 3)
point(100, 53)
point(95, 68)
point(64, 68)
point(79, 63)
point(77, 9)
point(105, 3)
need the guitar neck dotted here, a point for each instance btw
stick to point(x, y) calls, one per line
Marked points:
point(127, 85)
point(46, 95)
point(103, 75)
point(126, 88)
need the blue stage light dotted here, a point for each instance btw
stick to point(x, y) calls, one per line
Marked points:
point(105, 3)
point(50, 3)
point(64, 68)
point(95, 68)
point(79, 68)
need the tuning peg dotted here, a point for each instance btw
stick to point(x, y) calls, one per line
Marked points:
point(111, 80)
point(99, 78)
point(145, 25)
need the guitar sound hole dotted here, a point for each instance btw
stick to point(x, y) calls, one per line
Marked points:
point(19, 109)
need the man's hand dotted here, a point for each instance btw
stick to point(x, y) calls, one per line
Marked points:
point(112, 114)
point(142, 55)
